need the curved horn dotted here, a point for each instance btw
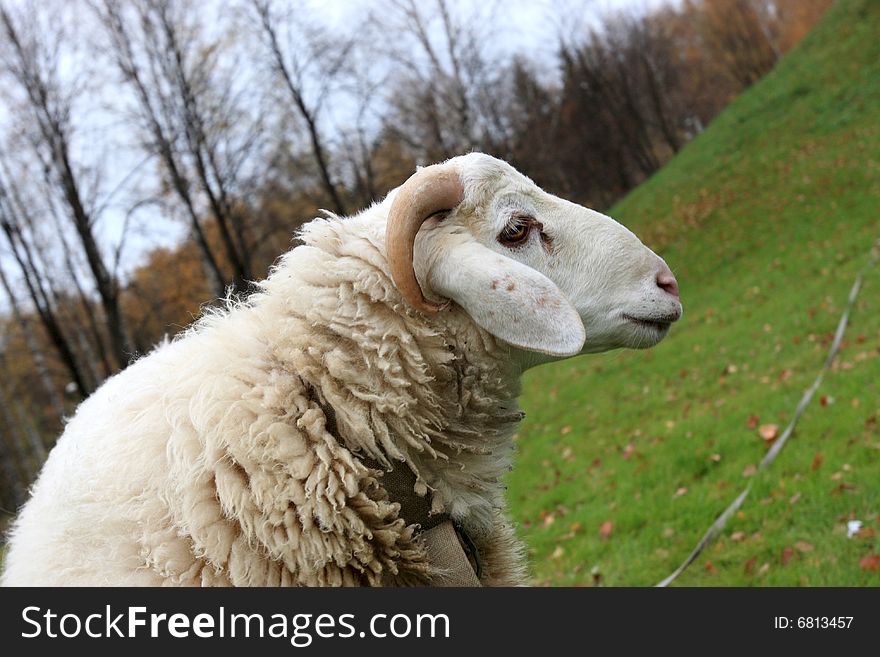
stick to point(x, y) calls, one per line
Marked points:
point(428, 191)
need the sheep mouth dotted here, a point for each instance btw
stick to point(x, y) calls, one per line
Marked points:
point(659, 324)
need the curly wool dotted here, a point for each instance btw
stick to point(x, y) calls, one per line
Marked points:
point(210, 462)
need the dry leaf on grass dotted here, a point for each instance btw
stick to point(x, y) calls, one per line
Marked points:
point(871, 562)
point(769, 432)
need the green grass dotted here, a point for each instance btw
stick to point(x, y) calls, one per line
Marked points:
point(766, 218)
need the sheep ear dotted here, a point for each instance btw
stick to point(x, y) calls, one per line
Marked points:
point(509, 299)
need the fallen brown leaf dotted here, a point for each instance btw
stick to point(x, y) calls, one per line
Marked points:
point(769, 432)
point(871, 562)
point(605, 530)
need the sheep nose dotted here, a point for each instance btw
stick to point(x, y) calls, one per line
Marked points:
point(666, 282)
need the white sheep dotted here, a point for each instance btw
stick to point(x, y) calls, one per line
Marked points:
point(248, 451)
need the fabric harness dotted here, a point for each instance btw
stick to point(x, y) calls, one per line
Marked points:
point(453, 556)
point(451, 552)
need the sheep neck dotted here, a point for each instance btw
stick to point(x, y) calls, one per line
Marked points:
point(436, 392)
point(477, 389)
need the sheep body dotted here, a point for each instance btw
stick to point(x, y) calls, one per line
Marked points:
point(232, 454)
point(209, 461)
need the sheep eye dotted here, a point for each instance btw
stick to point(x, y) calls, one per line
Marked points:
point(516, 232)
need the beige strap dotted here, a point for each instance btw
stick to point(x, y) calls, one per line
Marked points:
point(448, 560)
point(449, 563)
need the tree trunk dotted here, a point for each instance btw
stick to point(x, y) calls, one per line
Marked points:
point(281, 68)
point(43, 305)
point(162, 144)
point(51, 109)
point(202, 157)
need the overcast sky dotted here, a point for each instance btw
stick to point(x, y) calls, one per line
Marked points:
point(523, 26)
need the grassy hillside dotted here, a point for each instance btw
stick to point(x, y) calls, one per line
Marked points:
point(626, 458)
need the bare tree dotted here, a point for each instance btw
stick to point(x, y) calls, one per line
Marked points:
point(32, 60)
point(442, 101)
point(737, 35)
point(159, 133)
point(292, 64)
point(435, 88)
point(37, 289)
point(85, 326)
point(533, 135)
point(651, 54)
point(92, 347)
point(190, 117)
point(362, 140)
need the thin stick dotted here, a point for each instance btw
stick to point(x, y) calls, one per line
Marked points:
point(774, 451)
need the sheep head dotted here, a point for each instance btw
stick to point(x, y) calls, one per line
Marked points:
point(541, 273)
